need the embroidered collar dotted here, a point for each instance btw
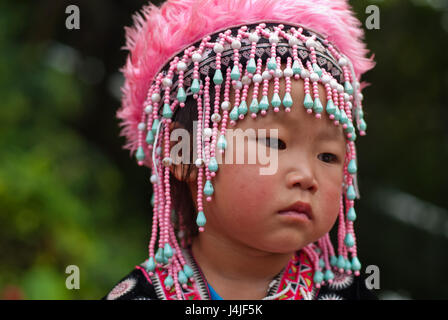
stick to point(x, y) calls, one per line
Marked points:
point(295, 281)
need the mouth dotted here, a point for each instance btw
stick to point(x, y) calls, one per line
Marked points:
point(298, 209)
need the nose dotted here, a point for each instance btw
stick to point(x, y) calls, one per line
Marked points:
point(303, 177)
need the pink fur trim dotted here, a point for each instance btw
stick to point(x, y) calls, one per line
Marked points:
point(158, 33)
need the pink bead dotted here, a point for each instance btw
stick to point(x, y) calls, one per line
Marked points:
point(263, 112)
point(209, 199)
point(253, 115)
point(336, 123)
point(331, 116)
point(345, 126)
point(185, 286)
point(276, 109)
point(232, 122)
point(151, 273)
point(309, 111)
point(140, 163)
point(363, 133)
point(288, 110)
point(349, 135)
point(201, 229)
point(241, 116)
point(357, 273)
point(318, 116)
point(213, 174)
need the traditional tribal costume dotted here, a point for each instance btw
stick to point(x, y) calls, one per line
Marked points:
point(187, 54)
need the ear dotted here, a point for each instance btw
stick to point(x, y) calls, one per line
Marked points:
point(177, 167)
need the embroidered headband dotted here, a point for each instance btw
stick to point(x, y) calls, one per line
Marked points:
point(241, 55)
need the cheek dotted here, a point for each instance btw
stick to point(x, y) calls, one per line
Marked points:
point(331, 198)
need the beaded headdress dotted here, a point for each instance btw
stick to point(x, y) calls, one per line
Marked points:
point(180, 50)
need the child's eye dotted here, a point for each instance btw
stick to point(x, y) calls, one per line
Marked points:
point(328, 157)
point(268, 141)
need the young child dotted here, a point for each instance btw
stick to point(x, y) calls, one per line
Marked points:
point(283, 74)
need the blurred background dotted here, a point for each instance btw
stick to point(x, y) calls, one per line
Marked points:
point(70, 195)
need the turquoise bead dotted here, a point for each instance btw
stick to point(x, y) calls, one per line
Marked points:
point(208, 189)
point(353, 137)
point(356, 265)
point(182, 277)
point(343, 119)
point(348, 87)
point(362, 125)
point(296, 67)
point(150, 264)
point(251, 66)
point(167, 113)
point(317, 106)
point(352, 166)
point(168, 282)
point(150, 137)
point(264, 103)
point(317, 69)
point(222, 142)
point(167, 251)
point(331, 108)
point(308, 101)
point(351, 214)
point(333, 261)
point(200, 220)
point(140, 155)
point(351, 195)
point(234, 114)
point(329, 275)
point(195, 86)
point(235, 74)
point(254, 106)
point(287, 100)
point(318, 277)
point(349, 241)
point(213, 165)
point(159, 255)
point(188, 271)
point(155, 125)
point(348, 265)
point(181, 96)
point(272, 64)
point(276, 100)
point(242, 109)
point(321, 263)
point(349, 128)
point(341, 262)
point(337, 114)
point(217, 78)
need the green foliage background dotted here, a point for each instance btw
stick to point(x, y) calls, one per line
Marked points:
point(69, 195)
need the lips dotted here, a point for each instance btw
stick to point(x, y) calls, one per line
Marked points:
point(298, 208)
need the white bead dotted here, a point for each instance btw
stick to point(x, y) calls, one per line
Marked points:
point(342, 62)
point(278, 73)
point(266, 75)
point(346, 96)
point(218, 48)
point(141, 126)
point(166, 82)
point(167, 161)
point(257, 78)
point(350, 106)
point(155, 97)
point(334, 84)
point(340, 88)
point(357, 84)
point(360, 96)
point(153, 178)
point(310, 43)
point(207, 133)
point(253, 37)
point(304, 73)
point(181, 66)
point(196, 57)
point(326, 79)
point(273, 38)
point(148, 109)
point(236, 44)
point(198, 162)
point(288, 72)
point(246, 80)
point(225, 105)
point(293, 41)
point(158, 150)
point(216, 117)
point(314, 77)
point(238, 85)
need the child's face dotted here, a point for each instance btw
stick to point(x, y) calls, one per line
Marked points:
point(245, 205)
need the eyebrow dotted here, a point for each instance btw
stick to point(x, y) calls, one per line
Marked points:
point(329, 135)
